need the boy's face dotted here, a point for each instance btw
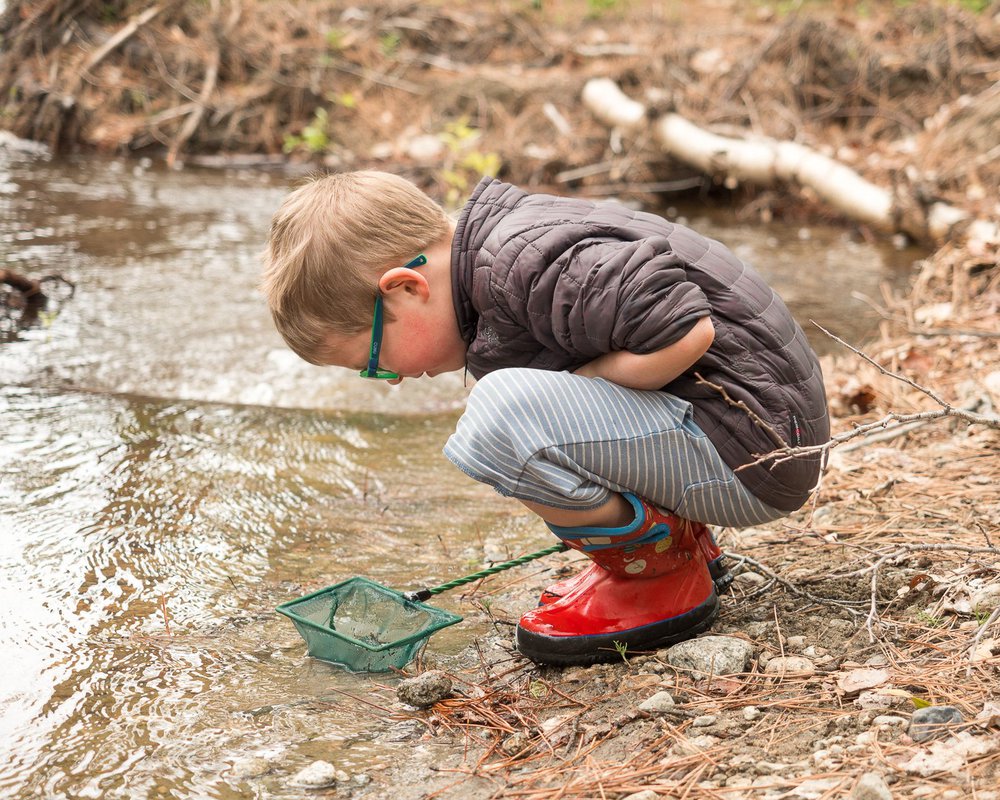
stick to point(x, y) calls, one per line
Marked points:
point(421, 339)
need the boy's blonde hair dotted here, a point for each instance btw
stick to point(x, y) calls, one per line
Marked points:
point(329, 243)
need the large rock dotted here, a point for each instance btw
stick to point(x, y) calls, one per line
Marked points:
point(424, 690)
point(711, 655)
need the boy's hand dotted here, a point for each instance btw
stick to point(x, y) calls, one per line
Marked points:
point(653, 370)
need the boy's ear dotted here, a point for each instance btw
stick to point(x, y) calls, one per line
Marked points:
point(406, 280)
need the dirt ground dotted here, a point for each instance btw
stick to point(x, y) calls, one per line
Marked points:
point(888, 582)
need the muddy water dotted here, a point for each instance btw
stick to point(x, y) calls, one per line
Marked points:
point(168, 474)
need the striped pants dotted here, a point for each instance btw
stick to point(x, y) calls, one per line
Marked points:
point(567, 441)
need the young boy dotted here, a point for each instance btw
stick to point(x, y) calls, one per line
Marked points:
point(631, 374)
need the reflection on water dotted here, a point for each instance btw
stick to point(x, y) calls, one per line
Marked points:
point(169, 474)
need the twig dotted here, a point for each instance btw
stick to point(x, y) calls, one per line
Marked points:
point(873, 618)
point(751, 64)
point(126, 33)
point(775, 436)
point(979, 635)
point(208, 84)
point(953, 332)
point(785, 453)
point(166, 617)
point(198, 111)
point(825, 601)
point(902, 429)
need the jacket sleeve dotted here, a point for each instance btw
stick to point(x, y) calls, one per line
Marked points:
point(600, 295)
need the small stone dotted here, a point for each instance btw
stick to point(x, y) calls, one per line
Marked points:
point(252, 767)
point(986, 598)
point(790, 665)
point(661, 701)
point(771, 767)
point(711, 655)
point(424, 690)
point(814, 788)
point(695, 746)
point(515, 744)
point(872, 786)
point(361, 779)
point(932, 722)
point(750, 713)
point(750, 579)
point(317, 775)
point(645, 794)
point(873, 701)
point(704, 721)
point(795, 643)
point(888, 721)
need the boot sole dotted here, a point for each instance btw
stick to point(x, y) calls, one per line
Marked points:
point(602, 647)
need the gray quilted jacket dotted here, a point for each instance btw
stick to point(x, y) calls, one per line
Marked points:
point(553, 282)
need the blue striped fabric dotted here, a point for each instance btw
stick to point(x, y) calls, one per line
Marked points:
point(567, 441)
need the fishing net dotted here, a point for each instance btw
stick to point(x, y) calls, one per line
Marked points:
point(364, 626)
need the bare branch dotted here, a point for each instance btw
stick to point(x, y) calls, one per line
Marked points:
point(775, 436)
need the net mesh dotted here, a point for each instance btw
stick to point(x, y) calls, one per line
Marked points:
point(364, 626)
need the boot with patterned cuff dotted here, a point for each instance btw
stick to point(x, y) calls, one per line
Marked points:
point(654, 589)
point(593, 572)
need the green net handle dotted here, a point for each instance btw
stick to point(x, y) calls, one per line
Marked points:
point(424, 594)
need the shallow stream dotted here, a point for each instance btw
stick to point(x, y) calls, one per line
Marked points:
point(169, 473)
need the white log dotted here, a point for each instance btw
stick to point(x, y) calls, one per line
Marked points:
point(611, 106)
point(765, 161)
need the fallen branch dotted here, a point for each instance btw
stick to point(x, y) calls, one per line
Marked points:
point(903, 429)
point(764, 161)
point(208, 83)
point(123, 35)
point(904, 421)
point(978, 638)
point(824, 601)
point(873, 618)
point(25, 285)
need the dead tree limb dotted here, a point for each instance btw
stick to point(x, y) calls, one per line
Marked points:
point(764, 162)
point(25, 285)
point(208, 83)
point(124, 34)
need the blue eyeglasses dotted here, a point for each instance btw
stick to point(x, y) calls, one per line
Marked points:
point(372, 370)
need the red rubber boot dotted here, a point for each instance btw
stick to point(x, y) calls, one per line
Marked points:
point(713, 555)
point(657, 590)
